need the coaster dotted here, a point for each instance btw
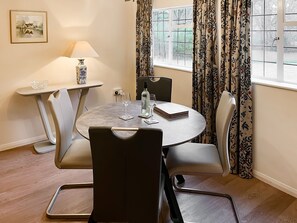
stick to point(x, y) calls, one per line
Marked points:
point(151, 121)
point(126, 117)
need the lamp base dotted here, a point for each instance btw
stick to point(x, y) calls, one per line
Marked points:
point(81, 72)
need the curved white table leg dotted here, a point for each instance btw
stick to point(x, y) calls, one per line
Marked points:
point(50, 145)
point(80, 106)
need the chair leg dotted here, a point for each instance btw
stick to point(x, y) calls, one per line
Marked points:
point(196, 191)
point(67, 216)
point(91, 219)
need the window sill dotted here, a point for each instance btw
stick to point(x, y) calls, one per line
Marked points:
point(275, 84)
point(173, 67)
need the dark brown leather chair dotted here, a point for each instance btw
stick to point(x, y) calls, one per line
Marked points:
point(127, 174)
point(160, 86)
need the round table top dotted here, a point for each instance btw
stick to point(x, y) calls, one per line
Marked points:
point(175, 131)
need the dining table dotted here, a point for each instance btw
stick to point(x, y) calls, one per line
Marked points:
point(176, 130)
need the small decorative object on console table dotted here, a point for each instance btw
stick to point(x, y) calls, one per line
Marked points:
point(81, 50)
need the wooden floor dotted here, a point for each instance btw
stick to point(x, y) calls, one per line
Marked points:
point(28, 181)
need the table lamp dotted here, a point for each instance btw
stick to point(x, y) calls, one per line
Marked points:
point(81, 50)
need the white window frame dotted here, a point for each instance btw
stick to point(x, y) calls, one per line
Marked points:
point(170, 64)
point(279, 82)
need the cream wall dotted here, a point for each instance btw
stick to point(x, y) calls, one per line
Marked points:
point(103, 23)
point(275, 141)
point(181, 84)
point(170, 3)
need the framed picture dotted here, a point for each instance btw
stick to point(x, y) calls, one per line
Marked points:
point(28, 26)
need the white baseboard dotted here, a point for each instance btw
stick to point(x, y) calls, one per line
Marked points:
point(275, 183)
point(22, 142)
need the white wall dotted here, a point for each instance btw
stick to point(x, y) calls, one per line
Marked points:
point(171, 3)
point(181, 84)
point(275, 137)
point(103, 23)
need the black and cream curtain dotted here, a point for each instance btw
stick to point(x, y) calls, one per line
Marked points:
point(234, 74)
point(236, 78)
point(205, 65)
point(143, 38)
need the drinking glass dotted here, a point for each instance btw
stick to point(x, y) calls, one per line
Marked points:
point(126, 100)
point(153, 103)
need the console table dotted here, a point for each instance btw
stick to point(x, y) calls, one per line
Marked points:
point(49, 145)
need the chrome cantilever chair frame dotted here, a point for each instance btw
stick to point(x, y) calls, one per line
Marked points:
point(70, 153)
point(210, 193)
point(181, 159)
point(68, 216)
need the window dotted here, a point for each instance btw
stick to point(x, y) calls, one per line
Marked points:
point(274, 40)
point(173, 37)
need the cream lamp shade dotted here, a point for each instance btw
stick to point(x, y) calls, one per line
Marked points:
point(81, 50)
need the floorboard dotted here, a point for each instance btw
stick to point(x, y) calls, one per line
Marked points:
point(29, 180)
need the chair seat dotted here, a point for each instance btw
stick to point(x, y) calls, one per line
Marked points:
point(193, 159)
point(78, 156)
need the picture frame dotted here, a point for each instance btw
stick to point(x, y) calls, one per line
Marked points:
point(28, 26)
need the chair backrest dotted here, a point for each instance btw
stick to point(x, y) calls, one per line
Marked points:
point(160, 86)
point(62, 112)
point(126, 174)
point(224, 116)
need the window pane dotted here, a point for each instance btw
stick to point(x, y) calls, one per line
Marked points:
point(290, 10)
point(270, 54)
point(179, 14)
point(257, 7)
point(258, 53)
point(189, 49)
point(270, 38)
point(290, 73)
point(188, 60)
point(270, 71)
point(258, 23)
point(290, 38)
point(270, 22)
point(189, 13)
point(189, 37)
point(270, 7)
point(290, 56)
point(257, 68)
point(181, 36)
point(291, 17)
point(257, 38)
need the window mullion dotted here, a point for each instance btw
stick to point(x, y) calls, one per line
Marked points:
point(170, 38)
point(280, 42)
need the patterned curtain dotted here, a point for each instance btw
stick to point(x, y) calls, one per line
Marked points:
point(234, 74)
point(143, 38)
point(236, 78)
point(205, 65)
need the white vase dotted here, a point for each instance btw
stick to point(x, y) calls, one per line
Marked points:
point(81, 72)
